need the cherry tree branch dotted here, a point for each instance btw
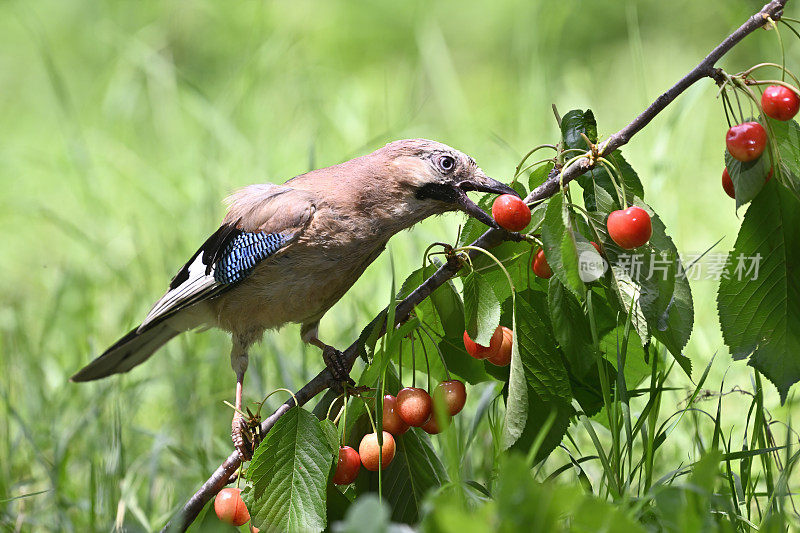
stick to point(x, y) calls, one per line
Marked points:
point(491, 238)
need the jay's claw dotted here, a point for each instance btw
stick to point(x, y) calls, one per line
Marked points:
point(334, 360)
point(240, 434)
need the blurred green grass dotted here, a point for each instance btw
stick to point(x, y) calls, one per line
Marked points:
point(126, 123)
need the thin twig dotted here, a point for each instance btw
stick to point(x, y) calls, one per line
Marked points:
point(491, 238)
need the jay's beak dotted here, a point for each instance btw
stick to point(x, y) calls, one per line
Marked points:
point(480, 184)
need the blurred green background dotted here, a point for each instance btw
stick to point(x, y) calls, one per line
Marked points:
point(124, 124)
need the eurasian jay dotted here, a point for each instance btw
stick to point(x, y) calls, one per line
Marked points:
point(287, 253)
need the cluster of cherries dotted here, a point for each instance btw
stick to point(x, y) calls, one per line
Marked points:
point(630, 228)
point(747, 141)
point(412, 407)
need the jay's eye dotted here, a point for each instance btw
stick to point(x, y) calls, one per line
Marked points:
point(446, 163)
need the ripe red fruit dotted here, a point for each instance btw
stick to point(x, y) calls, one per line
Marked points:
point(370, 451)
point(503, 355)
point(779, 102)
point(540, 266)
point(414, 405)
point(511, 213)
point(596, 247)
point(432, 427)
point(482, 352)
point(727, 183)
point(347, 467)
point(391, 418)
point(629, 228)
point(230, 507)
point(746, 141)
point(453, 394)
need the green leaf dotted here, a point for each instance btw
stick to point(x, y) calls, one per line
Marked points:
point(560, 246)
point(367, 513)
point(538, 381)
point(516, 416)
point(538, 413)
point(599, 193)
point(787, 141)
point(573, 124)
point(748, 178)
point(571, 328)
point(481, 308)
point(539, 175)
point(415, 470)
point(760, 317)
point(650, 282)
point(544, 368)
point(289, 473)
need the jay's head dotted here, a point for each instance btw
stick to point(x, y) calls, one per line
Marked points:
point(432, 178)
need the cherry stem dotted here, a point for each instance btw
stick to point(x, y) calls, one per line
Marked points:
point(616, 179)
point(530, 153)
point(783, 49)
point(427, 363)
point(539, 162)
point(786, 21)
point(493, 258)
point(328, 414)
point(424, 329)
point(775, 82)
point(413, 362)
point(400, 363)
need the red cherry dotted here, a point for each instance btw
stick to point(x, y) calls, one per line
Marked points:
point(596, 247)
point(370, 451)
point(727, 183)
point(511, 213)
point(391, 418)
point(779, 102)
point(414, 405)
point(540, 266)
point(629, 228)
point(347, 467)
point(432, 427)
point(452, 393)
point(746, 141)
point(230, 507)
point(503, 355)
point(482, 352)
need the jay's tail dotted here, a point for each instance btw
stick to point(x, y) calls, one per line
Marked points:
point(131, 350)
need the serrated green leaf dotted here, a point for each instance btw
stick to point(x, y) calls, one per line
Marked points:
point(748, 178)
point(573, 124)
point(544, 368)
point(787, 141)
point(760, 317)
point(539, 412)
point(481, 308)
point(571, 328)
point(516, 416)
point(650, 283)
point(289, 473)
point(599, 193)
point(560, 246)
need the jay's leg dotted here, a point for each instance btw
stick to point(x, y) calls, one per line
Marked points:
point(239, 430)
point(333, 358)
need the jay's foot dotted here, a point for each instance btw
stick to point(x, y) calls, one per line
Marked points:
point(334, 360)
point(240, 437)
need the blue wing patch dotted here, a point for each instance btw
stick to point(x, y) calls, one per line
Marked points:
point(243, 253)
